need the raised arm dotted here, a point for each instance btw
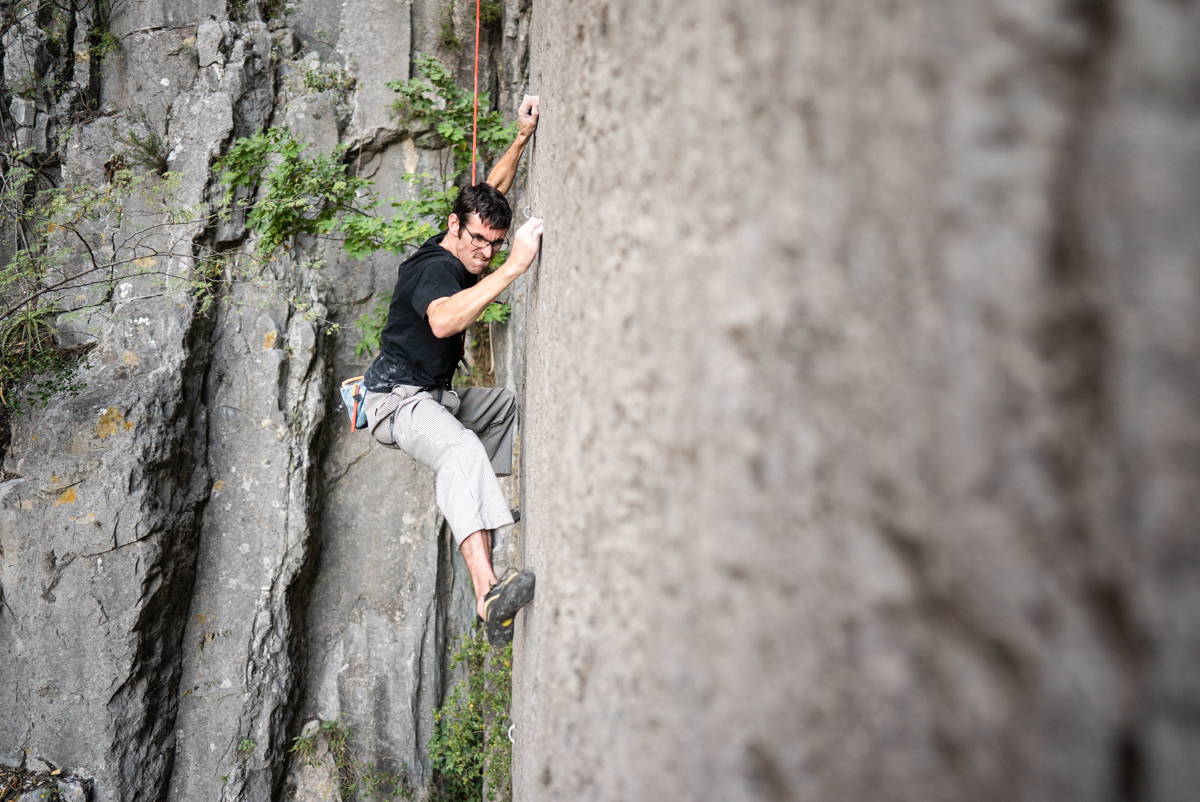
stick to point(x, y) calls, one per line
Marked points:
point(448, 316)
point(502, 175)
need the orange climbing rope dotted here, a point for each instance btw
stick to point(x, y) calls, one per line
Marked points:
point(475, 114)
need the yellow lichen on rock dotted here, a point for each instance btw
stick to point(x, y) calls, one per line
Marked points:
point(66, 497)
point(112, 422)
point(269, 340)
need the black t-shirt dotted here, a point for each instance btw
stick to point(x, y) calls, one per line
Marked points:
point(409, 353)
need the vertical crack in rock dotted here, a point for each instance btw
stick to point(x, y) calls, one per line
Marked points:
point(274, 663)
point(186, 526)
point(143, 707)
point(1076, 342)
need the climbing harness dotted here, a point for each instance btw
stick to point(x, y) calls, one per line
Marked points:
point(475, 113)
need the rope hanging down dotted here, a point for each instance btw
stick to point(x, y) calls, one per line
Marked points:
point(475, 114)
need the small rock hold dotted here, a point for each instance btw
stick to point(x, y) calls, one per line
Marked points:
point(209, 38)
point(71, 792)
point(285, 42)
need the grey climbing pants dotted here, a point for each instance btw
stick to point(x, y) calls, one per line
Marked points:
point(466, 437)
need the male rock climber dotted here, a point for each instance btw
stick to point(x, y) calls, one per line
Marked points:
point(465, 435)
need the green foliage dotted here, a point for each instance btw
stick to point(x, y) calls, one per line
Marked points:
point(276, 9)
point(304, 195)
point(471, 739)
point(149, 150)
point(335, 733)
point(316, 196)
point(371, 324)
point(410, 224)
point(245, 747)
point(30, 356)
point(353, 777)
point(496, 312)
point(47, 226)
point(491, 12)
point(101, 41)
point(447, 36)
point(74, 246)
point(323, 76)
point(434, 100)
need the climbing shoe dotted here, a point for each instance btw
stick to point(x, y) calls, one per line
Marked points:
point(501, 604)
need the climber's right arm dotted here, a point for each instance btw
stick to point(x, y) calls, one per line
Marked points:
point(502, 175)
point(450, 315)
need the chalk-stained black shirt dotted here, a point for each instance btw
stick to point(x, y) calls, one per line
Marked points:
point(409, 353)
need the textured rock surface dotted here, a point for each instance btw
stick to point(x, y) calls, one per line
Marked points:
point(195, 556)
point(862, 408)
point(862, 445)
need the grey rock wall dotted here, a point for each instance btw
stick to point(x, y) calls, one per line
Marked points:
point(861, 452)
point(197, 558)
point(860, 442)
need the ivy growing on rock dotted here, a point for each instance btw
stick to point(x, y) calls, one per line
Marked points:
point(316, 194)
point(470, 751)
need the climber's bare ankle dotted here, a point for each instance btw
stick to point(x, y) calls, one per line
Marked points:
point(476, 550)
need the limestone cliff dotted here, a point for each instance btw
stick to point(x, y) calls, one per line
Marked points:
point(862, 402)
point(861, 433)
point(197, 555)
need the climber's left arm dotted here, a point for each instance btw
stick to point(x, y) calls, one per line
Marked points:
point(502, 175)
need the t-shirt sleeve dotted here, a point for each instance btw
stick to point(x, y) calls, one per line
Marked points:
point(434, 282)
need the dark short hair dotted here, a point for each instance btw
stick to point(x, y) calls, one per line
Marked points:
point(487, 202)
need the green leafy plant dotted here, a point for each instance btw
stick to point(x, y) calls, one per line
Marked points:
point(245, 747)
point(491, 12)
point(54, 253)
point(74, 247)
point(320, 77)
point(353, 776)
point(148, 149)
point(304, 194)
point(101, 41)
point(435, 101)
point(30, 355)
point(316, 196)
point(495, 312)
point(447, 36)
point(471, 742)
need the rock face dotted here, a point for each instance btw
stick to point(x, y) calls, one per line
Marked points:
point(196, 556)
point(862, 403)
point(860, 455)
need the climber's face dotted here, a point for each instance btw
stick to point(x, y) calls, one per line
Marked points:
point(474, 242)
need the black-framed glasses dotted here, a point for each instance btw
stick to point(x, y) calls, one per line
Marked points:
point(482, 242)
